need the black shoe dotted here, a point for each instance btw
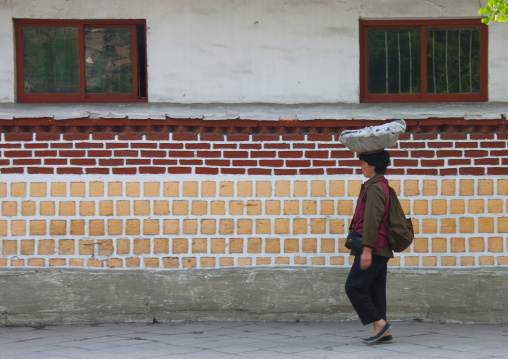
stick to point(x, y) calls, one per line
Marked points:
point(386, 339)
point(379, 335)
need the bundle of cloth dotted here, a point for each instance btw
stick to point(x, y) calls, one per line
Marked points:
point(374, 138)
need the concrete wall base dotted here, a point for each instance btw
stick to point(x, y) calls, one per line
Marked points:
point(55, 296)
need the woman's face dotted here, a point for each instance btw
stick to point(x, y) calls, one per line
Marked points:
point(368, 171)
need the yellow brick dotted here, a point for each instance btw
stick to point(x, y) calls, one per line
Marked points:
point(58, 228)
point(97, 189)
point(180, 208)
point(263, 189)
point(141, 246)
point(27, 247)
point(18, 189)
point(123, 246)
point(115, 227)
point(208, 189)
point(78, 189)
point(486, 260)
point(46, 246)
point(3, 228)
point(458, 245)
point(354, 188)
point(226, 226)
point(190, 189)
point(236, 208)
point(141, 208)
point(337, 189)
point(300, 189)
point(227, 189)
point(151, 227)
point(199, 245)
point(420, 207)
point(17, 262)
point(457, 206)
point(123, 208)
point(406, 206)
point(263, 226)
point(282, 261)
point(318, 225)
point(282, 226)
point(345, 208)
point(467, 225)
point(36, 262)
point(114, 263)
point(309, 245)
point(477, 244)
point(244, 226)
point(9, 209)
point(496, 244)
point(291, 245)
point(254, 208)
point(218, 245)
point(502, 224)
point(58, 189)
point(318, 188)
point(38, 228)
point(244, 189)
point(132, 227)
point(226, 262)
point(273, 208)
point(448, 225)
point(254, 245)
point(300, 260)
point(78, 227)
point(448, 188)
point(208, 226)
point(87, 208)
point(115, 189)
point(235, 245)
point(106, 208)
point(337, 261)
point(18, 228)
point(132, 189)
point(448, 261)
point(300, 226)
point(28, 208)
point(291, 207)
point(466, 188)
point(336, 226)
point(495, 206)
point(3, 190)
point(132, 262)
point(207, 262)
point(152, 189)
point(429, 261)
point(318, 261)
point(94, 263)
point(502, 260)
point(171, 189)
point(309, 207)
point(171, 226)
point(396, 185)
point(283, 189)
point(66, 247)
point(38, 189)
point(190, 226)
point(502, 186)
point(328, 245)
point(96, 227)
point(272, 245)
point(486, 225)
point(476, 206)
point(170, 262)
point(429, 225)
point(218, 208)
point(199, 208)
point(421, 245)
point(429, 188)
point(439, 206)
point(9, 247)
point(439, 245)
point(411, 188)
point(485, 187)
point(105, 247)
point(161, 246)
point(327, 208)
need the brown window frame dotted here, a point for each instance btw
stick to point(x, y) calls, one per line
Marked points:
point(139, 91)
point(423, 96)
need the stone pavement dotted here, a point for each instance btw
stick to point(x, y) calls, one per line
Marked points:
point(263, 340)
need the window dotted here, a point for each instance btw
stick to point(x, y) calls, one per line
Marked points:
point(416, 61)
point(80, 60)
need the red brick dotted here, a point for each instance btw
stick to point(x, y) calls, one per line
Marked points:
point(319, 163)
point(40, 170)
point(183, 170)
point(186, 154)
point(191, 162)
point(405, 163)
point(117, 145)
point(76, 136)
point(35, 145)
point(433, 144)
point(295, 163)
point(211, 137)
point(55, 162)
point(453, 136)
point(88, 145)
point(290, 154)
point(83, 162)
point(197, 146)
point(12, 170)
point(292, 138)
point(244, 163)
point(425, 136)
point(171, 146)
point(159, 154)
point(47, 136)
point(489, 162)
point(472, 171)
point(208, 154)
point(308, 146)
point(319, 138)
point(449, 153)
point(317, 154)
point(61, 145)
point(259, 171)
point(5, 162)
point(18, 137)
point(218, 162)
point(459, 162)
point(143, 145)
point(412, 144)
point(125, 171)
point(69, 170)
point(312, 171)
point(499, 153)
point(448, 172)
point(238, 138)
point(263, 154)
point(73, 153)
point(329, 145)
point(422, 172)
point(339, 171)
point(285, 172)
point(207, 171)
point(45, 153)
point(11, 145)
point(349, 163)
point(97, 171)
point(496, 144)
point(152, 170)
point(481, 136)
point(250, 146)
point(225, 146)
point(185, 137)
point(265, 138)
point(233, 171)
point(236, 154)
point(20, 153)
point(157, 136)
point(422, 154)
point(342, 154)
point(271, 163)
point(432, 163)
point(274, 146)
point(158, 162)
point(497, 171)
point(103, 136)
point(478, 153)
point(137, 161)
point(125, 153)
point(130, 137)
point(111, 162)
point(466, 144)
point(26, 162)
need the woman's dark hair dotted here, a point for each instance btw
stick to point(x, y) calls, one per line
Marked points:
point(380, 160)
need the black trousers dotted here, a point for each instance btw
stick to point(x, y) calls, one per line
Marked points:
point(366, 289)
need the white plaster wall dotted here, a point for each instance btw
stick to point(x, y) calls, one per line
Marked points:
point(246, 51)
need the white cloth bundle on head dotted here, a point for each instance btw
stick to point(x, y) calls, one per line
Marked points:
point(374, 138)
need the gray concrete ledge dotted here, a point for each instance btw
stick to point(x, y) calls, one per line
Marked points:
point(55, 296)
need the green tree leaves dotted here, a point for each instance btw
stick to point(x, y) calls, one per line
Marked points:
point(495, 10)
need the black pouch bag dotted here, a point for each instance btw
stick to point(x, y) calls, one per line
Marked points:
point(354, 241)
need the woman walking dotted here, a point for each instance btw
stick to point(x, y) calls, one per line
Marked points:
point(366, 283)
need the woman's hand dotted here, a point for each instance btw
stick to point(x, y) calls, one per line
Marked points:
point(366, 258)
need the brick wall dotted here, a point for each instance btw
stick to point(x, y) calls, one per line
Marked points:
point(163, 196)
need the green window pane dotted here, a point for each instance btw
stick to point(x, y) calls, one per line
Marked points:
point(108, 61)
point(394, 57)
point(453, 61)
point(51, 60)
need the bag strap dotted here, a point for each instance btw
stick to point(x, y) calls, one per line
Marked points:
point(362, 193)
